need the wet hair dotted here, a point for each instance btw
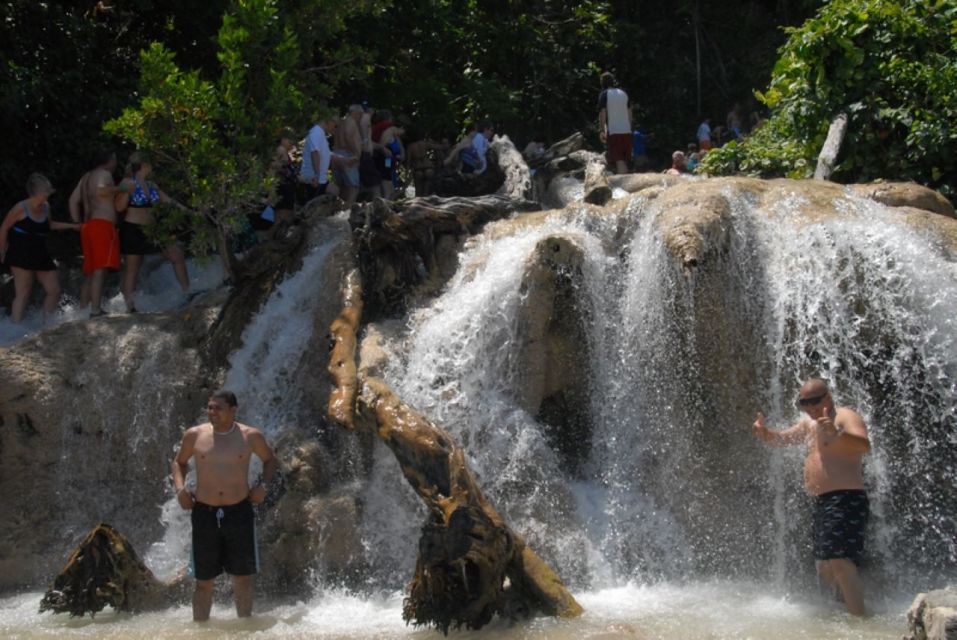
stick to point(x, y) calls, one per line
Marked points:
point(136, 161)
point(226, 396)
point(607, 80)
point(37, 182)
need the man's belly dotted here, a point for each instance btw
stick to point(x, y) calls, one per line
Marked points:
point(825, 475)
point(221, 488)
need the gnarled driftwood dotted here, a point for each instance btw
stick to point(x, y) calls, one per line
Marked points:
point(471, 565)
point(105, 570)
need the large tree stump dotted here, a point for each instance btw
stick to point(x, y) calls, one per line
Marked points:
point(471, 565)
point(105, 570)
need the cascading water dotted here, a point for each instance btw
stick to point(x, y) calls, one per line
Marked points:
point(666, 518)
point(266, 372)
point(675, 487)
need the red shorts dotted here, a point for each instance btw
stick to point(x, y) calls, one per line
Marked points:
point(704, 145)
point(619, 147)
point(101, 246)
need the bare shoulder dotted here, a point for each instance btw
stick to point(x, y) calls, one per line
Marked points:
point(252, 434)
point(850, 420)
point(193, 432)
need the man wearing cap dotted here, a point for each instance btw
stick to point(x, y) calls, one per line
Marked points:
point(836, 440)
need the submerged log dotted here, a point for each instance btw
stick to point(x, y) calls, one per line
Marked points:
point(105, 570)
point(471, 565)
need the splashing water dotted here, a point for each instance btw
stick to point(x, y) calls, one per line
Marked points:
point(675, 523)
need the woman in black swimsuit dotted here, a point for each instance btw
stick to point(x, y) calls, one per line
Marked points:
point(23, 246)
point(139, 198)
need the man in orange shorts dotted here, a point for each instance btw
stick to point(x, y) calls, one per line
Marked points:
point(93, 199)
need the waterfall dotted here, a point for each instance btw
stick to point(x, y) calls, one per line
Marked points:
point(675, 487)
point(271, 371)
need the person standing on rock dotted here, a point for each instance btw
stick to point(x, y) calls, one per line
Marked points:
point(837, 440)
point(614, 123)
point(23, 246)
point(221, 503)
point(93, 203)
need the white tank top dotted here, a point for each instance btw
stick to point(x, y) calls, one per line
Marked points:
point(617, 111)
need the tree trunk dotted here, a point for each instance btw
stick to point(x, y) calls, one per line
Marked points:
point(471, 565)
point(105, 570)
point(832, 147)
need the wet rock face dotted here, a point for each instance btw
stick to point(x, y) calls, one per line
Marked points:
point(933, 616)
point(89, 413)
point(553, 348)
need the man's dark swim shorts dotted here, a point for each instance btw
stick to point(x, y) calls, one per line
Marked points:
point(840, 518)
point(224, 539)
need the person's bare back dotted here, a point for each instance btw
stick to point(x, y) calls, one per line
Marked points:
point(349, 137)
point(94, 195)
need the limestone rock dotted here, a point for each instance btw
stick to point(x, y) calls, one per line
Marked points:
point(597, 189)
point(933, 616)
point(89, 413)
point(905, 194)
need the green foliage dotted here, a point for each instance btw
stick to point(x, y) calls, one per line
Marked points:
point(890, 66)
point(531, 67)
point(212, 140)
point(65, 67)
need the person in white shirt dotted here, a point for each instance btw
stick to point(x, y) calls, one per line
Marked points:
point(614, 123)
point(317, 158)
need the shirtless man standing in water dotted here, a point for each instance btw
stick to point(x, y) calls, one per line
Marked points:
point(837, 440)
point(224, 536)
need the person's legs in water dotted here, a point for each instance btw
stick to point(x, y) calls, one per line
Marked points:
point(130, 274)
point(177, 258)
point(243, 595)
point(848, 580)
point(85, 292)
point(22, 285)
point(97, 280)
point(202, 600)
point(51, 285)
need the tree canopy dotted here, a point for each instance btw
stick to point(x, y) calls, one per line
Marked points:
point(891, 67)
point(245, 67)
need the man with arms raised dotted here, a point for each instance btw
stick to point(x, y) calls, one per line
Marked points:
point(837, 440)
point(224, 536)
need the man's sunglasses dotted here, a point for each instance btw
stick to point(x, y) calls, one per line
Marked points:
point(810, 402)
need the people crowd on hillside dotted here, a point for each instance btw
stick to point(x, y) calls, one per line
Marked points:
point(364, 153)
